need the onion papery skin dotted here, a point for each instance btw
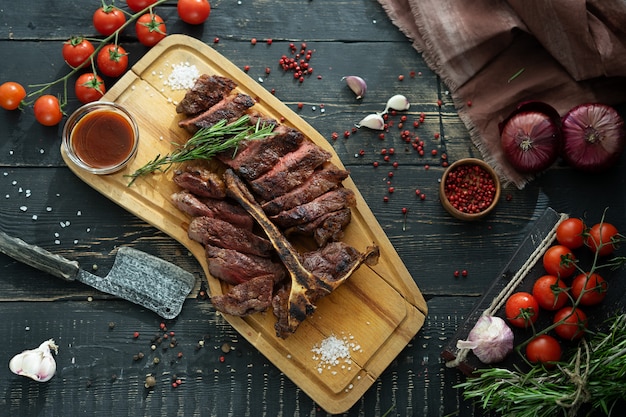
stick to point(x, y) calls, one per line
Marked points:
point(593, 137)
point(531, 141)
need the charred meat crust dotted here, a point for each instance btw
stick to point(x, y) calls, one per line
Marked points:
point(230, 109)
point(234, 267)
point(210, 207)
point(207, 91)
point(246, 298)
point(201, 182)
point(328, 202)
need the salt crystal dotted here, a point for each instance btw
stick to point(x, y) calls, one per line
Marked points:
point(34, 217)
point(48, 209)
point(23, 208)
point(79, 213)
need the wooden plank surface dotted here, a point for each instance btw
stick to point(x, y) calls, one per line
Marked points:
point(349, 38)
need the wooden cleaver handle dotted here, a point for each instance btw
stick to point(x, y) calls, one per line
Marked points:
point(38, 257)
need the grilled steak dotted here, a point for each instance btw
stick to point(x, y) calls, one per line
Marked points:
point(230, 108)
point(234, 267)
point(321, 181)
point(326, 228)
point(216, 232)
point(210, 207)
point(331, 201)
point(201, 182)
point(206, 92)
point(246, 298)
point(256, 157)
point(290, 171)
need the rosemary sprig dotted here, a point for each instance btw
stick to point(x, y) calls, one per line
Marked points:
point(206, 143)
point(594, 375)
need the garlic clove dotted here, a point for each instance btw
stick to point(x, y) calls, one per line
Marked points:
point(397, 102)
point(372, 121)
point(491, 339)
point(356, 84)
point(37, 364)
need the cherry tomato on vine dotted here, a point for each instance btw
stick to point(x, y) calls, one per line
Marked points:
point(600, 238)
point(559, 261)
point(594, 287)
point(521, 309)
point(48, 110)
point(550, 292)
point(112, 60)
point(107, 19)
point(77, 51)
point(150, 29)
point(574, 323)
point(11, 95)
point(89, 87)
point(193, 12)
point(570, 233)
point(544, 349)
point(139, 5)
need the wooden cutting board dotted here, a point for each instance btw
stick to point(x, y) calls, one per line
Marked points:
point(379, 308)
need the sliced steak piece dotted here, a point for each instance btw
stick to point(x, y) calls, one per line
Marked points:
point(234, 267)
point(210, 207)
point(206, 93)
point(246, 298)
point(290, 171)
point(331, 201)
point(216, 232)
point(254, 158)
point(201, 182)
point(231, 108)
point(326, 228)
point(321, 181)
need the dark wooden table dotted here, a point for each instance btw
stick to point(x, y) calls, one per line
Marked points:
point(43, 203)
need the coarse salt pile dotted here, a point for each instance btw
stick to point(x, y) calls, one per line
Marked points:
point(182, 77)
point(332, 352)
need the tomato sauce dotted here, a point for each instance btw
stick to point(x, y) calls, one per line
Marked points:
point(103, 139)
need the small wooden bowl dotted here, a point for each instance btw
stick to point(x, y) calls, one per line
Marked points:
point(464, 212)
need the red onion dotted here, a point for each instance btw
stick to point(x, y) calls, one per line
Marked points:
point(593, 137)
point(531, 138)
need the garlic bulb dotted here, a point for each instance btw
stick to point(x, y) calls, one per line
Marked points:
point(491, 339)
point(397, 102)
point(37, 364)
point(373, 121)
point(356, 84)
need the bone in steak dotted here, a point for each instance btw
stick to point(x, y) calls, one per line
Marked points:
point(201, 182)
point(218, 209)
point(234, 267)
point(326, 228)
point(246, 298)
point(216, 232)
point(207, 91)
point(321, 181)
point(290, 171)
point(230, 108)
point(254, 158)
point(304, 283)
point(328, 202)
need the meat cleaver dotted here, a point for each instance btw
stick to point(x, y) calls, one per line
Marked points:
point(135, 276)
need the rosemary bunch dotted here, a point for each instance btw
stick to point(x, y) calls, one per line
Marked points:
point(206, 143)
point(595, 374)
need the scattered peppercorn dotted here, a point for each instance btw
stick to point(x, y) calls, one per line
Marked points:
point(150, 382)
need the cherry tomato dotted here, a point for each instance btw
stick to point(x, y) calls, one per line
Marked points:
point(139, 5)
point(112, 60)
point(550, 292)
point(107, 19)
point(193, 12)
point(559, 261)
point(89, 87)
point(521, 309)
point(595, 288)
point(574, 323)
point(601, 237)
point(570, 233)
point(48, 110)
point(150, 29)
point(11, 95)
point(544, 349)
point(77, 51)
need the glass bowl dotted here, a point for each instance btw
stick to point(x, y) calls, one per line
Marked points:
point(101, 137)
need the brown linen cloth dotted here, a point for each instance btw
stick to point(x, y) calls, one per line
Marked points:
point(500, 53)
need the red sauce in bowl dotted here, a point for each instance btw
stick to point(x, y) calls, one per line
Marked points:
point(103, 139)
